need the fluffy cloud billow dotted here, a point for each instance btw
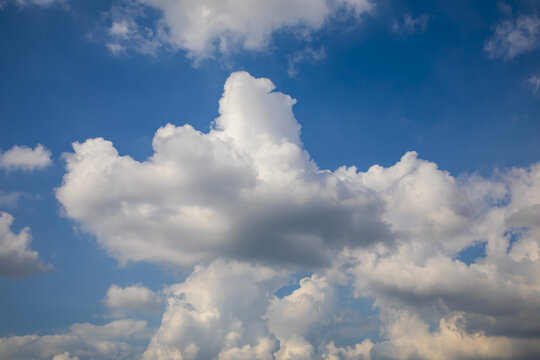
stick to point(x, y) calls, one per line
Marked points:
point(245, 190)
point(209, 27)
point(25, 158)
point(247, 206)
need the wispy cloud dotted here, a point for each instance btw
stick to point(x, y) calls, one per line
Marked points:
point(534, 82)
point(307, 55)
point(512, 37)
point(410, 24)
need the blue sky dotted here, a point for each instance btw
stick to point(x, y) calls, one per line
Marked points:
point(457, 83)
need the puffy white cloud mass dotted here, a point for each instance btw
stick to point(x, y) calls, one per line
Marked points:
point(246, 190)
point(204, 27)
point(80, 341)
point(25, 158)
point(512, 37)
point(16, 257)
point(135, 297)
point(247, 204)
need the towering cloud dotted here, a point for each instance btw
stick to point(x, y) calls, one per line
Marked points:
point(135, 297)
point(245, 190)
point(80, 341)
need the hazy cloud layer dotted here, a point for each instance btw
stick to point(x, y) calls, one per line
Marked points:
point(307, 55)
point(16, 257)
point(23, 3)
point(205, 28)
point(25, 158)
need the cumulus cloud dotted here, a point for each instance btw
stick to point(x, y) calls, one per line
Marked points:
point(246, 190)
point(81, 340)
point(135, 297)
point(204, 28)
point(25, 158)
point(16, 257)
point(245, 199)
point(512, 37)
point(217, 312)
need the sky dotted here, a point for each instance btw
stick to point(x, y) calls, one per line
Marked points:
point(269, 179)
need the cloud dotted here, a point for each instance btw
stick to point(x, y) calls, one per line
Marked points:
point(534, 81)
point(410, 338)
point(23, 3)
point(25, 158)
point(135, 297)
point(247, 204)
point(204, 28)
point(411, 25)
point(12, 199)
point(513, 37)
point(86, 341)
point(247, 189)
point(217, 312)
point(226, 310)
point(16, 257)
point(64, 356)
point(308, 55)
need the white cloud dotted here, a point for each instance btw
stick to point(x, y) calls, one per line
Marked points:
point(217, 312)
point(302, 312)
point(410, 338)
point(249, 192)
point(135, 297)
point(16, 257)
point(204, 28)
point(23, 3)
point(85, 341)
point(25, 158)
point(513, 37)
point(359, 351)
